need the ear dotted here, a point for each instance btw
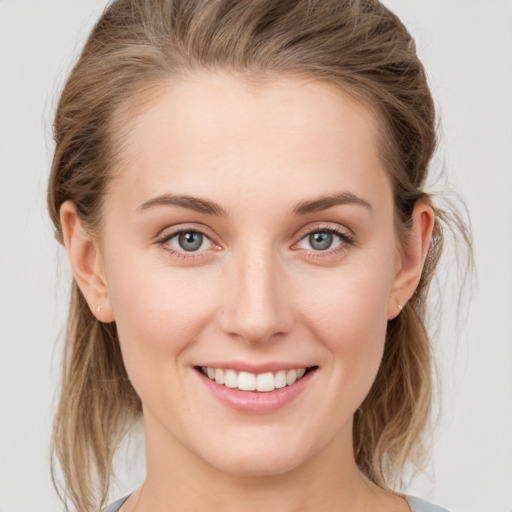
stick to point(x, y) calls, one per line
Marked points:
point(412, 257)
point(86, 263)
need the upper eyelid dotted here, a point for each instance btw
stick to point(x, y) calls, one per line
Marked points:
point(170, 232)
point(344, 237)
point(324, 226)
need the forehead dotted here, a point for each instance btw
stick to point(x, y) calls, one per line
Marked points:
point(217, 132)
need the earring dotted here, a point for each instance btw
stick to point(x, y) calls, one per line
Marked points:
point(98, 309)
point(400, 307)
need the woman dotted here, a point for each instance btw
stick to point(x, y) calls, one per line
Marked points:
point(239, 188)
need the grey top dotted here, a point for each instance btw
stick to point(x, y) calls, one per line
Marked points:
point(416, 504)
point(419, 505)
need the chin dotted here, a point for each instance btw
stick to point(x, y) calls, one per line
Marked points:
point(261, 457)
point(258, 466)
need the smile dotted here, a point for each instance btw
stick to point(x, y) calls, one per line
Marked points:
point(256, 392)
point(247, 381)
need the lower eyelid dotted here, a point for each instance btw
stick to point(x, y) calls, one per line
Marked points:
point(182, 254)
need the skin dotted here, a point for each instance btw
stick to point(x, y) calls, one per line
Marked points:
point(256, 291)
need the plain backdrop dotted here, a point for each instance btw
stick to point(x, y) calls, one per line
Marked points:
point(466, 46)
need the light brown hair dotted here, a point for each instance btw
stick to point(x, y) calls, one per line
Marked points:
point(360, 46)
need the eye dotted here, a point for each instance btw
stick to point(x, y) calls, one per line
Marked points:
point(323, 240)
point(188, 241)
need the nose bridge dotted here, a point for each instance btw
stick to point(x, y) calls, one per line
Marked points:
point(256, 308)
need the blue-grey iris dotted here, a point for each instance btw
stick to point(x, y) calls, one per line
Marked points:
point(321, 240)
point(190, 240)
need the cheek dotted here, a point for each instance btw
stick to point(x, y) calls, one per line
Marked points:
point(350, 318)
point(348, 302)
point(158, 316)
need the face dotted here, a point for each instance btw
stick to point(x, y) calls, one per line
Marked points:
point(248, 234)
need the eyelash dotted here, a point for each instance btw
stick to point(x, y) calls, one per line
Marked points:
point(345, 240)
point(163, 242)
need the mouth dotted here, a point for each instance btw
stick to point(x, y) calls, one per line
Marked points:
point(256, 382)
point(256, 390)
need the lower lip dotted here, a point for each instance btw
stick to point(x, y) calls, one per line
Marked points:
point(253, 401)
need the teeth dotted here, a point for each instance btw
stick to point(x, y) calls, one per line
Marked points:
point(231, 380)
point(219, 376)
point(246, 381)
point(265, 382)
point(291, 377)
point(280, 379)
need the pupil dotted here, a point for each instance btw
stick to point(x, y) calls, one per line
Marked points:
point(320, 241)
point(190, 241)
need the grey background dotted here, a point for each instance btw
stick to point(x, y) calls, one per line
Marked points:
point(467, 49)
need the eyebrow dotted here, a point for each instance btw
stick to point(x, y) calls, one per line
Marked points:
point(326, 202)
point(211, 208)
point(190, 202)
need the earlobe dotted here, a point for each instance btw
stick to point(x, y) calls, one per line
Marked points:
point(86, 263)
point(413, 255)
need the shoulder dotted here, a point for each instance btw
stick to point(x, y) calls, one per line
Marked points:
point(114, 507)
point(419, 505)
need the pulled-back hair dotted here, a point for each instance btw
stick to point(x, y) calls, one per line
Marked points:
point(135, 47)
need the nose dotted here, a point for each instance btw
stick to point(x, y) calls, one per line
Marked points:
point(257, 305)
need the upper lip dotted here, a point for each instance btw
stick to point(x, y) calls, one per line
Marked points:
point(243, 366)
